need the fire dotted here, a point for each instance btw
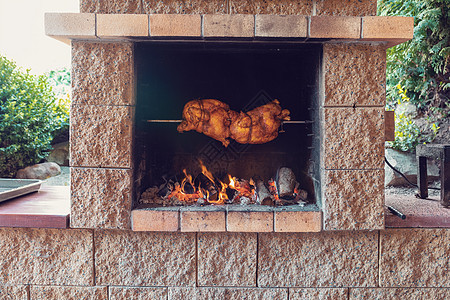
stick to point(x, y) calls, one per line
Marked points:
point(273, 189)
point(217, 194)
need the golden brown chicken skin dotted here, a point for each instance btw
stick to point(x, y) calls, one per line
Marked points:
point(215, 119)
point(259, 125)
point(207, 116)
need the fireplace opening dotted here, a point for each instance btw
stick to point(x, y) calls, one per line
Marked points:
point(245, 77)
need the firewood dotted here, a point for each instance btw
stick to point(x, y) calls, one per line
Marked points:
point(285, 182)
point(263, 193)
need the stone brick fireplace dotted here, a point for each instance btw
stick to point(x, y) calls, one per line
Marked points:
point(337, 247)
point(342, 92)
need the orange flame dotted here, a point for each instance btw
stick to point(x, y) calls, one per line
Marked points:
point(273, 189)
point(244, 188)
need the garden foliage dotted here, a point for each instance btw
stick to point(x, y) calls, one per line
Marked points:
point(30, 115)
point(421, 66)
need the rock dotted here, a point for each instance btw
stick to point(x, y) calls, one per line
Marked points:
point(60, 154)
point(39, 171)
point(406, 163)
point(407, 109)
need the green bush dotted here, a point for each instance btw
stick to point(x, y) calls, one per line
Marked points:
point(407, 134)
point(30, 115)
point(421, 66)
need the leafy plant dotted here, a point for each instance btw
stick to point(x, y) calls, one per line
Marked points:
point(421, 66)
point(30, 114)
point(407, 134)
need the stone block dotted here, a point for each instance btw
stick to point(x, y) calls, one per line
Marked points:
point(122, 25)
point(354, 138)
point(354, 200)
point(46, 256)
point(185, 7)
point(111, 7)
point(346, 7)
point(228, 25)
point(68, 292)
point(414, 258)
point(175, 25)
point(193, 221)
point(73, 25)
point(318, 293)
point(155, 220)
point(250, 221)
point(386, 28)
point(101, 198)
point(271, 7)
point(227, 259)
point(335, 27)
point(337, 259)
point(389, 125)
point(102, 73)
point(13, 292)
point(281, 26)
point(144, 293)
point(101, 136)
point(298, 221)
point(399, 293)
point(355, 75)
point(127, 258)
point(177, 293)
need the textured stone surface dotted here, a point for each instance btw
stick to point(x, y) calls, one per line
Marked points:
point(400, 293)
point(121, 293)
point(177, 293)
point(102, 73)
point(101, 136)
point(325, 27)
point(46, 257)
point(281, 26)
point(111, 7)
point(123, 25)
point(415, 258)
point(347, 7)
point(227, 259)
point(193, 221)
point(13, 292)
point(318, 294)
point(68, 292)
point(274, 7)
point(354, 200)
point(228, 26)
point(354, 138)
point(255, 221)
point(155, 220)
point(325, 259)
point(185, 6)
point(101, 198)
point(355, 75)
point(298, 221)
point(175, 25)
point(144, 259)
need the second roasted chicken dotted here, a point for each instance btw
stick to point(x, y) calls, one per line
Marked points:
point(215, 119)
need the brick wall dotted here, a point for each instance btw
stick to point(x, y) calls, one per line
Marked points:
point(118, 264)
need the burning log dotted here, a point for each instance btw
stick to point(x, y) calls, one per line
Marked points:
point(286, 183)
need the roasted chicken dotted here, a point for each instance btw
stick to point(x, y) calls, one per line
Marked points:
point(208, 116)
point(215, 119)
point(259, 125)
